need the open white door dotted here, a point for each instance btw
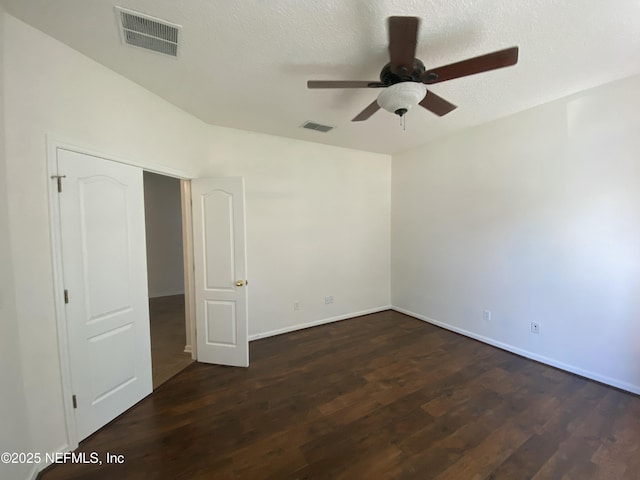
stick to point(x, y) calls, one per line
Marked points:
point(105, 274)
point(220, 271)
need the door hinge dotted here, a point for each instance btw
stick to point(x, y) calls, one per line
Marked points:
point(59, 179)
point(66, 296)
point(75, 402)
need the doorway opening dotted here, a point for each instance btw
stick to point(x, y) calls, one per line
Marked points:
point(171, 349)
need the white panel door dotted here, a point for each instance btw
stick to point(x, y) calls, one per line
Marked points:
point(220, 270)
point(105, 274)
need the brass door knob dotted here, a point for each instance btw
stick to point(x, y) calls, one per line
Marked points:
point(239, 283)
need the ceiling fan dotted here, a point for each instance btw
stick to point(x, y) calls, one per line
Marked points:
point(405, 77)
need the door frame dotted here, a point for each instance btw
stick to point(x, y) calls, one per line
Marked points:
point(189, 269)
point(53, 144)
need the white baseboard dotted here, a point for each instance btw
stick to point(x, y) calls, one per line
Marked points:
point(525, 353)
point(302, 326)
point(166, 294)
point(35, 471)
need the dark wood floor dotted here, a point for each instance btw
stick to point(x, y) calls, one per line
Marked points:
point(168, 338)
point(382, 396)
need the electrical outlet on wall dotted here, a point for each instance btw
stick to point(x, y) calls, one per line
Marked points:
point(486, 315)
point(535, 327)
point(296, 306)
point(328, 299)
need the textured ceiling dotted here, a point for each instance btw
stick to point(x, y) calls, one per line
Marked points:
point(245, 64)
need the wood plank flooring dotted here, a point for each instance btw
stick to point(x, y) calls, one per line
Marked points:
point(168, 338)
point(382, 396)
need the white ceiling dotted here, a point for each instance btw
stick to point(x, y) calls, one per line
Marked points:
point(245, 64)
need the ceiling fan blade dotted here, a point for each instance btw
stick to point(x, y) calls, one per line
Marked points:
point(367, 112)
point(436, 104)
point(471, 66)
point(403, 38)
point(343, 84)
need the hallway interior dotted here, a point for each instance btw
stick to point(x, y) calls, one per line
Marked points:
point(168, 338)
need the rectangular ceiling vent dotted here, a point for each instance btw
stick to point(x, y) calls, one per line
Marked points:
point(148, 32)
point(317, 127)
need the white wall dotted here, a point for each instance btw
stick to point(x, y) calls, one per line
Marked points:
point(14, 427)
point(318, 221)
point(163, 225)
point(317, 216)
point(535, 217)
point(53, 90)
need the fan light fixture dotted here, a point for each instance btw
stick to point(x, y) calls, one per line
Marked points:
point(399, 98)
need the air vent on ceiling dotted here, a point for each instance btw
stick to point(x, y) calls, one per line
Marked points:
point(148, 32)
point(316, 126)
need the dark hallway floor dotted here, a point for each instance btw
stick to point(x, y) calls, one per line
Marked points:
point(168, 338)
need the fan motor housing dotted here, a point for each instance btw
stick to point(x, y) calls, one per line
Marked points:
point(388, 77)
